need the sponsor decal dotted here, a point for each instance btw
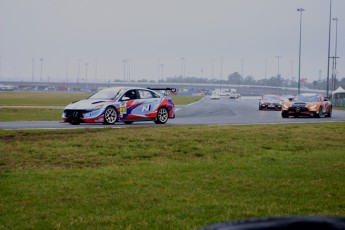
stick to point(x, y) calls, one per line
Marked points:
point(146, 108)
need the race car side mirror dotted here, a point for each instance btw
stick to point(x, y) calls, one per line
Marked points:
point(290, 98)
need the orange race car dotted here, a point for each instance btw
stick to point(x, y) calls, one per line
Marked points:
point(307, 104)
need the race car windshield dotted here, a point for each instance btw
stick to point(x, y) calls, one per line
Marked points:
point(105, 94)
point(271, 98)
point(303, 98)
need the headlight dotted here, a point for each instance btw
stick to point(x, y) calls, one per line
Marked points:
point(96, 108)
point(313, 107)
point(285, 106)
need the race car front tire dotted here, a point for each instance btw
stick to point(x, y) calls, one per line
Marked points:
point(74, 122)
point(318, 115)
point(110, 115)
point(285, 114)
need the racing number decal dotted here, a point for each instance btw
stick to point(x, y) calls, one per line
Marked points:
point(123, 109)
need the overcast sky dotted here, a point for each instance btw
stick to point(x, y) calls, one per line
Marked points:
point(166, 38)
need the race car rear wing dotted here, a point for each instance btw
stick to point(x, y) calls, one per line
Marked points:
point(172, 90)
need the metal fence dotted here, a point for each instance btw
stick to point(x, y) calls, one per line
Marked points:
point(338, 102)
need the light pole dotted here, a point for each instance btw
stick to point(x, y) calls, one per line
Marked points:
point(238, 80)
point(162, 76)
point(300, 48)
point(41, 59)
point(78, 71)
point(33, 69)
point(292, 71)
point(329, 44)
point(124, 70)
point(96, 69)
point(85, 80)
point(278, 57)
point(221, 72)
point(129, 70)
point(212, 75)
point(265, 69)
point(66, 70)
point(334, 72)
point(182, 67)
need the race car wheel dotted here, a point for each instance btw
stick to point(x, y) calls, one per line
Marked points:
point(319, 114)
point(285, 114)
point(110, 115)
point(128, 122)
point(162, 116)
point(329, 114)
point(74, 122)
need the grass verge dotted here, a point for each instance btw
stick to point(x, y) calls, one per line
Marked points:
point(339, 108)
point(169, 177)
point(31, 114)
point(39, 98)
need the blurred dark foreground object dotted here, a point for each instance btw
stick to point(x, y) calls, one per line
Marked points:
point(298, 222)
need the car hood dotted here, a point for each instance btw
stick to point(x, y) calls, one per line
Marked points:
point(303, 104)
point(86, 104)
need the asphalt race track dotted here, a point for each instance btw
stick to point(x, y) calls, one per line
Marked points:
point(204, 112)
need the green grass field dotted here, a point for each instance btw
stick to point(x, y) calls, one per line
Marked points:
point(167, 177)
point(50, 99)
point(39, 98)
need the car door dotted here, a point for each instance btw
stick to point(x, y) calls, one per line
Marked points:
point(147, 102)
point(138, 104)
point(127, 103)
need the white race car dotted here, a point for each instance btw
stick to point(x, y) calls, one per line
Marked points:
point(124, 104)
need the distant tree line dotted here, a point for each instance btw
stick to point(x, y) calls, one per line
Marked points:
point(236, 79)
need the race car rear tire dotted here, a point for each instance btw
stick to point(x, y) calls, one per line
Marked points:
point(329, 114)
point(162, 115)
point(110, 115)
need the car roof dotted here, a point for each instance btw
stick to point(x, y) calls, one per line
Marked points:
point(309, 94)
point(270, 95)
point(124, 88)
